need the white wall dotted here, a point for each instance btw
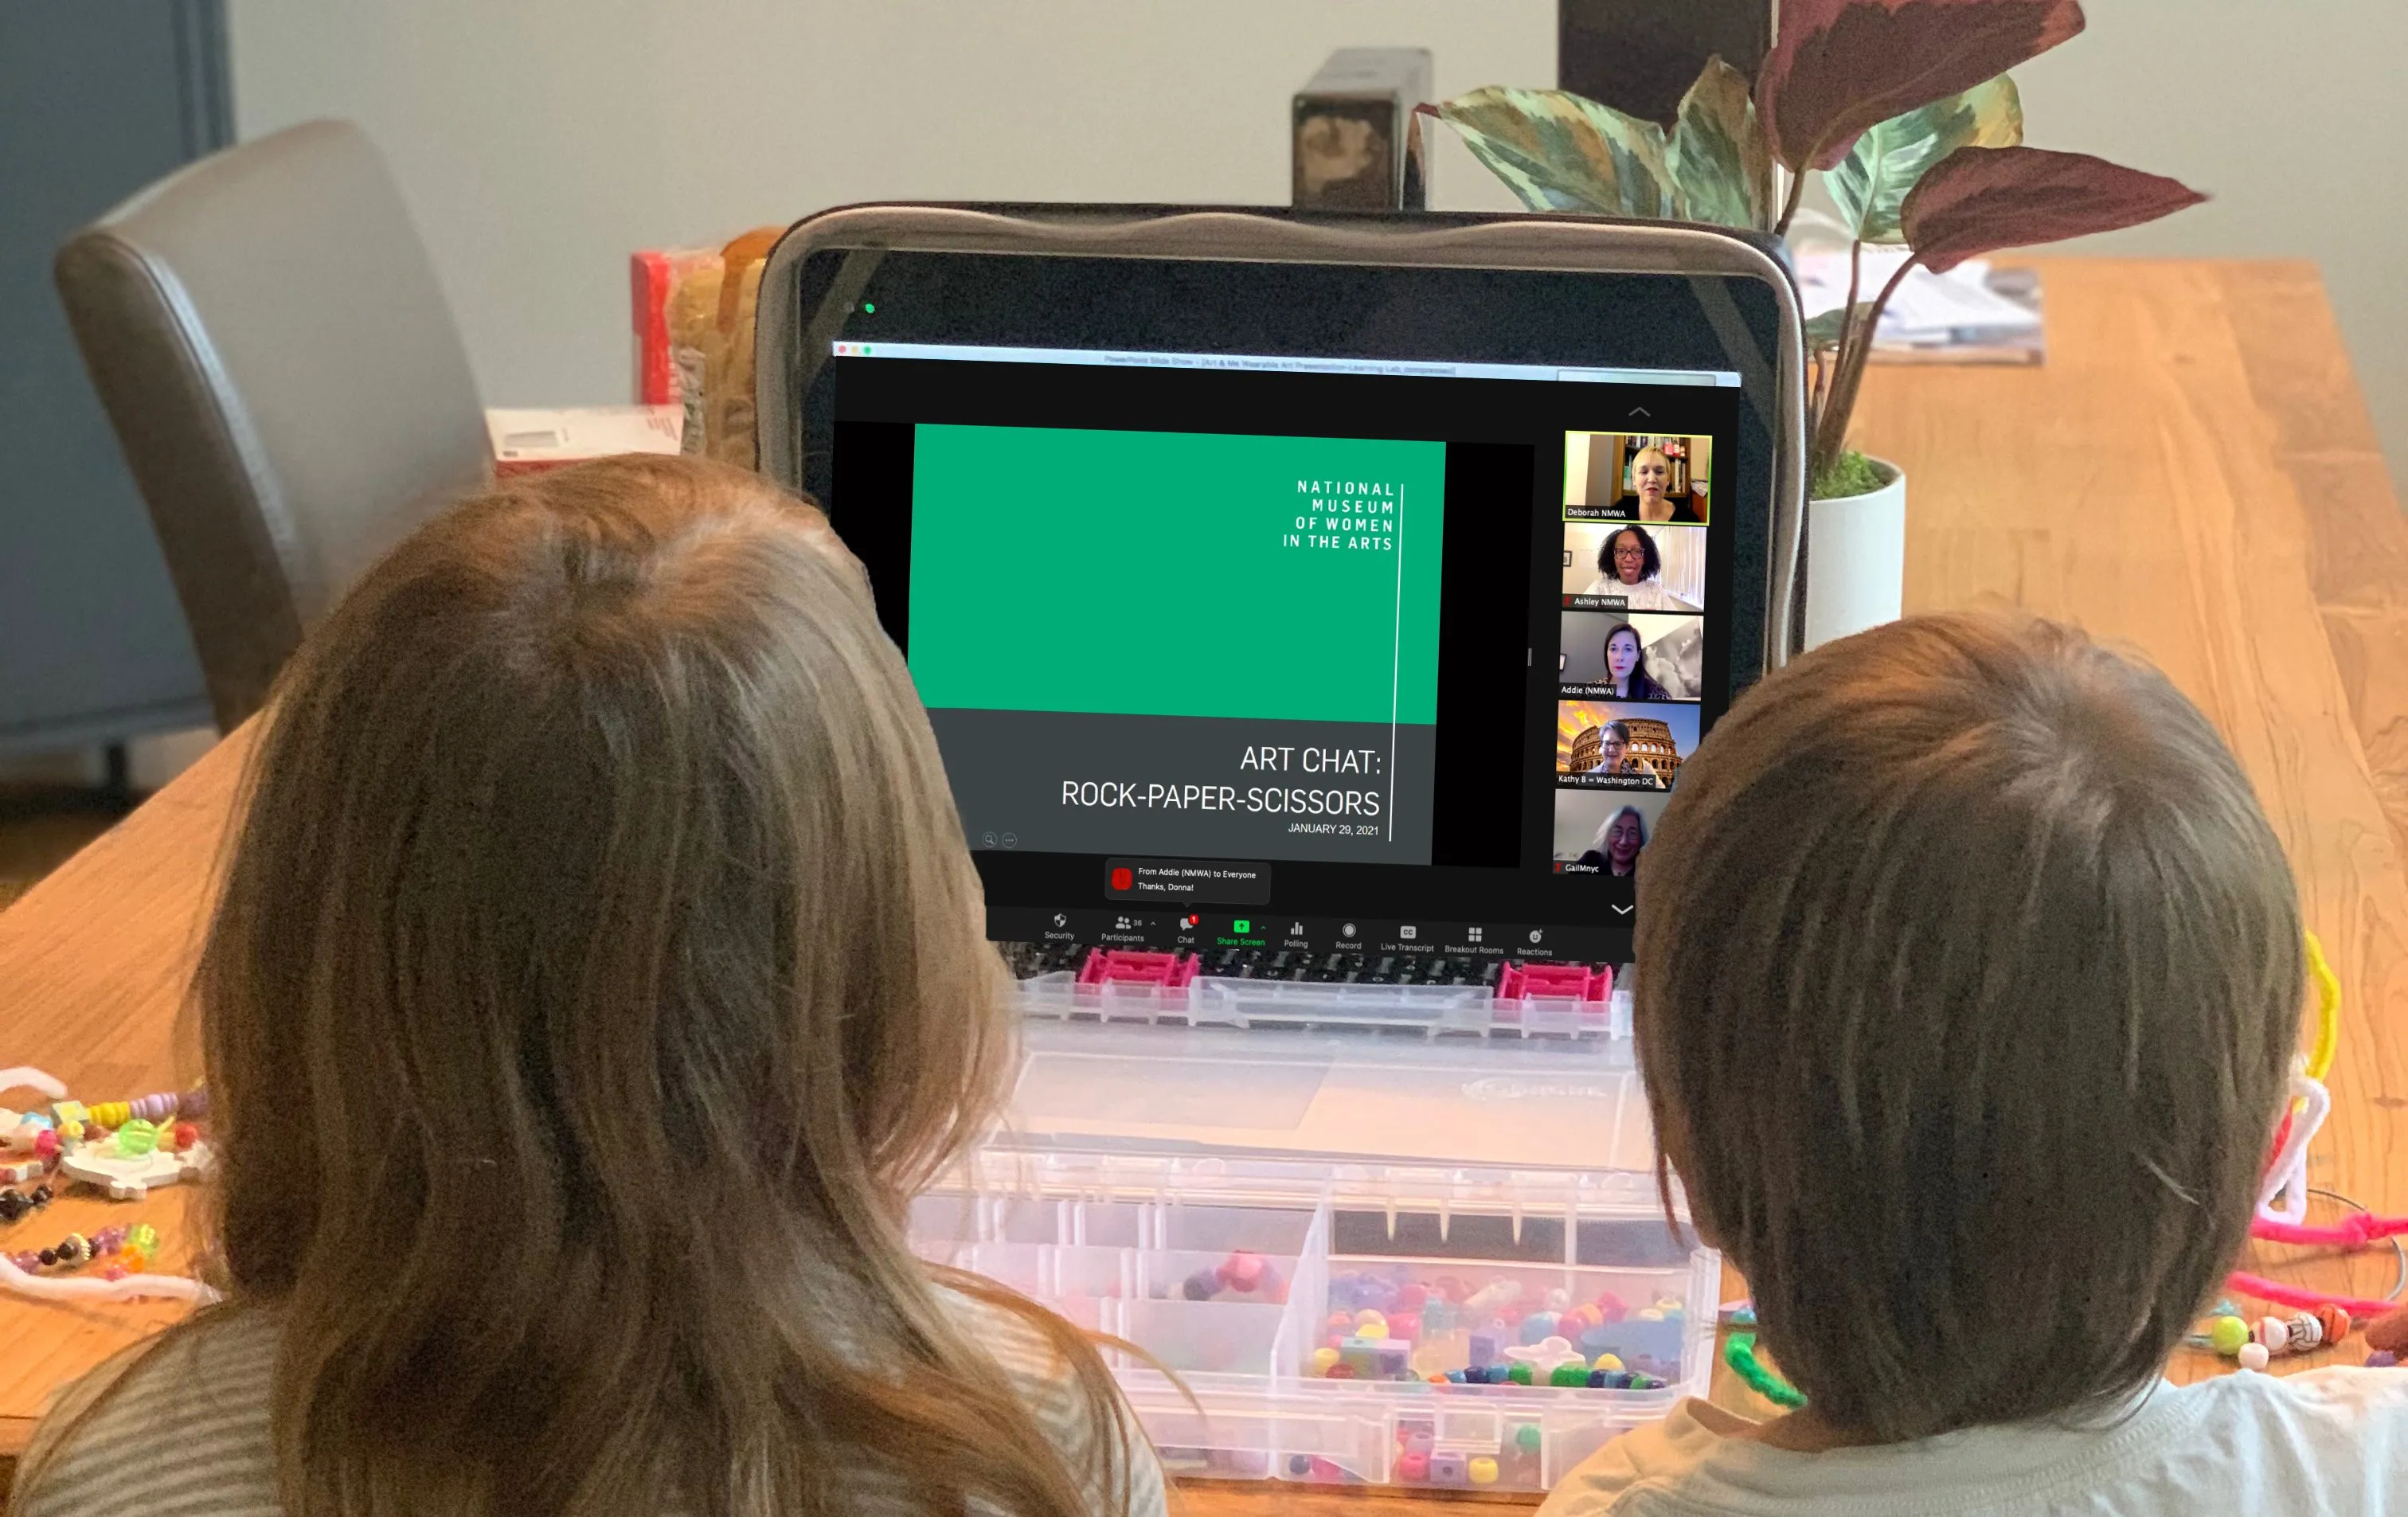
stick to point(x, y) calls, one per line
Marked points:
point(2289, 114)
point(541, 141)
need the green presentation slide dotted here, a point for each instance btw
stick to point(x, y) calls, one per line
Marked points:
point(1176, 573)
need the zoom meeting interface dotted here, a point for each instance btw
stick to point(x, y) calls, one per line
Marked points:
point(1296, 652)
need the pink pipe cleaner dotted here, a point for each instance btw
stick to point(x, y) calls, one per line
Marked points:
point(2293, 1296)
point(2355, 1231)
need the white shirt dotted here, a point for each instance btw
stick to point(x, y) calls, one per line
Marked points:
point(1646, 595)
point(2323, 1443)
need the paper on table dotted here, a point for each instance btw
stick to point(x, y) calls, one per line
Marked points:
point(1973, 313)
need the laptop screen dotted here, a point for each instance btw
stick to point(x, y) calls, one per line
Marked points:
point(1315, 652)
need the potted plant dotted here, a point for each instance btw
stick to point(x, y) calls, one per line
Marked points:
point(1906, 109)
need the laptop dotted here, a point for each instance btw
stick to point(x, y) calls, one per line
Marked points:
point(1315, 614)
point(1301, 602)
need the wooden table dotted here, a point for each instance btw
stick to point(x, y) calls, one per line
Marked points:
point(2192, 473)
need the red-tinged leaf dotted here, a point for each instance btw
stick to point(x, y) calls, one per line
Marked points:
point(1842, 65)
point(1978, 200)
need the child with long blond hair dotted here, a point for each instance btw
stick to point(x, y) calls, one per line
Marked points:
point(598, 973)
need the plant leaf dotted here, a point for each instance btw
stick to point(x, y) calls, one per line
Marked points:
point(1720, 167)
point(1822, 332)
point(1841, 66)
point(1871, 182)
point(1978, 200)
point(1559, 151)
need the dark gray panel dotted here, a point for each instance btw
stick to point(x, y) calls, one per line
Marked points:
point(95, 101)
point(1190, 786)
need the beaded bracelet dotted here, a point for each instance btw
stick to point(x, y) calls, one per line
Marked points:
point(17, 1203)
point(128, 1249)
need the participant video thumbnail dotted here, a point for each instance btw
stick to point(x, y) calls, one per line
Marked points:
point(1621, 745)
point(1637, 477)
point(1632, 656)
point(1634, 568)
point(1598, 832)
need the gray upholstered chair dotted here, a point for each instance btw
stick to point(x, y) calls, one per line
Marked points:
point(283, 373)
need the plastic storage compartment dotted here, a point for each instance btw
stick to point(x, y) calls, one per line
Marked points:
point(1253, 1278)
point(1526, 1000)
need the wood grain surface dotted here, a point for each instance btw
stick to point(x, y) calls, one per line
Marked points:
point(2191, 474)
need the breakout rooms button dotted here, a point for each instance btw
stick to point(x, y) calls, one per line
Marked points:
point(1187, 879)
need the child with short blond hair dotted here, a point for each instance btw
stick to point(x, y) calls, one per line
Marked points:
point(1970, 974)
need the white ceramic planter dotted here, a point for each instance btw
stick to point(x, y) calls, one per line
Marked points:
point(1855, 559)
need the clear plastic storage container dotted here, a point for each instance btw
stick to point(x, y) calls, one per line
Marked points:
point(1350, 1258)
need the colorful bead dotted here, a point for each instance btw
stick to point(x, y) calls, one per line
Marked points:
point(2382, 1359)
point(186, 1135)
point(2306, 1333)
point(1519, 1372)
point(13, 1205)
point(1374, 1329)
point(2228, 1333)
point(1609, 1361)
point(135, 1260)
point(1412, 1469)
point(1481, 1470)
point(1242, 1271)
point(46, 1144)
point(2272, 1334)
point(136, 1137)
point(2335, 1323)
point(144, 1236)
point(1446, 1470)
point(1570, 1373)
point(1526, 1438)
point(1324, 1360)
point(2253, 1356)
point(74, 1248)
point(111, 1113)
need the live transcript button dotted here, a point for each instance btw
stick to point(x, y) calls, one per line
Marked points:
point(1215, 881)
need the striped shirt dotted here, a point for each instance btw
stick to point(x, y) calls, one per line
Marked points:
point(188, 1436)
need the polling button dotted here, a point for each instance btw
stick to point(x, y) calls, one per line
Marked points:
point(1217, 880)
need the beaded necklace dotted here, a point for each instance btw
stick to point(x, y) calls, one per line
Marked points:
point(1739, 1352)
